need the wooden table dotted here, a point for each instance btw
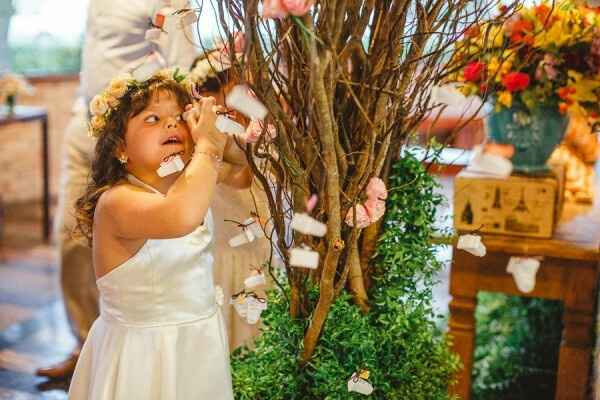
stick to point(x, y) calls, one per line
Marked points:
point(27, 114)
point(568, 272)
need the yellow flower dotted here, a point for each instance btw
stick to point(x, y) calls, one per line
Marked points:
point(505, 99)
point(467, 89)
point(97, 123)
point(117, 88)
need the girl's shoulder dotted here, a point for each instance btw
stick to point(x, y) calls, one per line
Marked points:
point(117, 194)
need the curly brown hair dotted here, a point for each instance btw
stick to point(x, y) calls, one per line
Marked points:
point(107, 170)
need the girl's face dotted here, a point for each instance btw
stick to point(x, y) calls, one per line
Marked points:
point(154, 135)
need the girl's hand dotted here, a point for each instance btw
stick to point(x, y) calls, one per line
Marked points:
point(201, 120)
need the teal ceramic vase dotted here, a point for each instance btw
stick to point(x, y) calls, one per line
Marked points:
point(534, 134)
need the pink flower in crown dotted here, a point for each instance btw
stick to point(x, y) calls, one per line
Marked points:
point(376, 189)
point(274, 9)
point(298, 7)
point(362, 217)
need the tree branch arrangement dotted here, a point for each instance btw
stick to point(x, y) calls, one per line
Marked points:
point(346, 85)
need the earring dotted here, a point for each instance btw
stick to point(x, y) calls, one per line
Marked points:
point(123, 159)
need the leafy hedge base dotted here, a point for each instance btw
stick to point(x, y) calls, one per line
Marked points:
point(517, 346)
point(397, 341)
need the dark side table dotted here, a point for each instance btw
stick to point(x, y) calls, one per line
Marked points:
point(28, 114)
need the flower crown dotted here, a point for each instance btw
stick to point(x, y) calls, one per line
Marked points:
point(105, 103)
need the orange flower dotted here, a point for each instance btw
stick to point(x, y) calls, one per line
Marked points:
point(473, 31)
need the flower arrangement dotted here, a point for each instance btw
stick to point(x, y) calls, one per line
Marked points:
point(103, 104)
point(11, 86)
point(546, 55)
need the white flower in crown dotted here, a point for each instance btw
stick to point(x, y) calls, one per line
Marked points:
point(98, 106)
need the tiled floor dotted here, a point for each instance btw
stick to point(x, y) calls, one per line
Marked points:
point(33, 326)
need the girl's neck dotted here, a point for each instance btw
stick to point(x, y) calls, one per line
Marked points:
point(156, 182)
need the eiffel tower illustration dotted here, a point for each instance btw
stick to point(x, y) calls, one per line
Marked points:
point(522, 207)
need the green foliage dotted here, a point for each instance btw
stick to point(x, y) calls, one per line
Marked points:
point(408, 358)
point(517, 345)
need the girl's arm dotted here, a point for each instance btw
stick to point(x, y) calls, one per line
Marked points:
point(136, 214)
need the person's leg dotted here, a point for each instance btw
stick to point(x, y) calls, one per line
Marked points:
point(78, 284)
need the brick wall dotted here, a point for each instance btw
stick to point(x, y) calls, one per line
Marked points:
point(20, 144)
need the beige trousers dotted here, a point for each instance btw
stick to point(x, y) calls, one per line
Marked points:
point(77, 279)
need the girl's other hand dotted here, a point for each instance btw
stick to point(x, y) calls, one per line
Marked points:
point(201, 119)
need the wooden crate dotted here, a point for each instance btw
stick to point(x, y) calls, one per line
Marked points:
point(518, 205)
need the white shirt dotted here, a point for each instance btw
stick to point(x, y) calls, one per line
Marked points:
point(115, 39)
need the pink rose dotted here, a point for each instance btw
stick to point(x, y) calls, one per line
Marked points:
point(298, 7)
point(362, 217)
point(282, 8)
point(375, 209)
point(274, 9)
point(256, 128)
point(376, 189)
point(311, 202)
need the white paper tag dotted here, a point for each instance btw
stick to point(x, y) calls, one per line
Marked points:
point(240, 307)
point(471, 244)
point(305, 258)
point(524, 271)
point(255, 280)
point(359, 385)
point(489, 163)
point(153, 63)
point(239, 99)
point(307, 225)
point(227, 125)
point(239, 240)
point(254, 307)
point(255, 227)
point(172, 166)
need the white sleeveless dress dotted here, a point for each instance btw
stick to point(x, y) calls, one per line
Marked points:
point(160, 334)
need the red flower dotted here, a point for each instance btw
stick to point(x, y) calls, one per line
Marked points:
point(515, 81)
point(563, 108)
point(566, 92)
point(474, 71)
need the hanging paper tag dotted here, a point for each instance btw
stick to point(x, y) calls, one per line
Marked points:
point(255, 227)
point(359, 385)
point(255, 281)
point(255, 307)
point(227, 125)
point(171, 166)
point(471, 244)
point(524, 271)
point(307, 225)
point(489, 163)
point(304, 257)
point(151, 64)
point(240, 99)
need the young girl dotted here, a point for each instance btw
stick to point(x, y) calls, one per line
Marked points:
point(232, 264)
point(160, 334)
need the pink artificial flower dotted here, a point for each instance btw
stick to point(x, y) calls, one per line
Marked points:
point(255, 129)
point(239, 44)
point(375, 209)
point(298, 7)
point(376, 189)
point(274, 9)
point(311, 202)
point(362, 217)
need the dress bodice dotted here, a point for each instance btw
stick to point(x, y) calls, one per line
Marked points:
point(168, 281)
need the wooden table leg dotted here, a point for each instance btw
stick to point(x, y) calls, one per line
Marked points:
point(462, 333)
point(46, 177)
point(575, 355)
